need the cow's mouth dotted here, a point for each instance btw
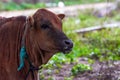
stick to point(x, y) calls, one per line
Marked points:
point(67, 50)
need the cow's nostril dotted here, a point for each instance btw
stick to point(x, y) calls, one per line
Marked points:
point(68, 43)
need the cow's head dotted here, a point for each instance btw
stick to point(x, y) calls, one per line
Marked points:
point(47, 29)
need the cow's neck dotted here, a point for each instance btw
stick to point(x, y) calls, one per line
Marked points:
point(37, 56)
point(47, 56)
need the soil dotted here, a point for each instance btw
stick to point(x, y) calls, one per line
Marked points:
point(109, 70)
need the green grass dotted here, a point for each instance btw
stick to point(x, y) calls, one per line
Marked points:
point(106, 41)
point(13, 6)
point(71, 2)
point(80, 68)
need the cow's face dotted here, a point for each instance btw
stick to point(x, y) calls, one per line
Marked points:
point(47, 30)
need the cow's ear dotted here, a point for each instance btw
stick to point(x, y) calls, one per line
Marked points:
point(61, 16)
point(30, 21)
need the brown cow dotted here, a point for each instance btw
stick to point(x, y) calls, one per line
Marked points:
point(43, 38)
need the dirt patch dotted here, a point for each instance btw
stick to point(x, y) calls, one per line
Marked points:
point(109, 70)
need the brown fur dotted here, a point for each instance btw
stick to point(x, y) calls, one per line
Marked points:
point(40, 43)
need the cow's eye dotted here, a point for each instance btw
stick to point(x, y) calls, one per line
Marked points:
point(44, 26)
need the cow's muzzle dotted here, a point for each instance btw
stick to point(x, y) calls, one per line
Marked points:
point(68, 45)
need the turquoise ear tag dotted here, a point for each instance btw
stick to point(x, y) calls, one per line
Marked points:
point(23, 55)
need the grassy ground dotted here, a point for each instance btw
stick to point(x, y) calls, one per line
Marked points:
point(102, 46)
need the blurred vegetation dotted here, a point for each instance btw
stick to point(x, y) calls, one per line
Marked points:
point(80, 68)
point(104, 42)
point(74, 2)
point(21, 6)
point(13, 6)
